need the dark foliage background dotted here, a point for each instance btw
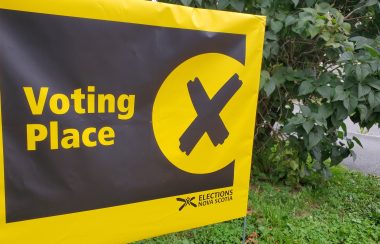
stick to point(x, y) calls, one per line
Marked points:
point(321, 65)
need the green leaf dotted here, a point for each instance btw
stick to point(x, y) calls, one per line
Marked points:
point(315, 137)
point(341, 112)
point(374, 99)
point(350, 104)
point(348, 69)
point(290, 20)
point(377, 99)
point(362, 71)
point(334, 44)
point(305, 88)
point(264, 78)
point(271, 36)
point(304, 172)
point(237, 5)
point(340, 94)
point(325, 91)
point(372, 51)
point(347, 28)
point(266, 51)
point(295, 2)
point(371, 3)
point(375, 65)
point(297, 120)
point(308, 126)
point(324, 78)
point(323, 7)
point(186, 2)
point(320, 121)
point(338, 16)
point(274, 48)
point(317, 153)
point(334, 121)
point(375, 84)
point(269, 88)
point(363, 90)
point(209, 5)
point(199, 2)
point(371, 99)
point(289, 128)
point(306, 111)
point(222, 4)
point(363, 110)
point(320, 22)
point(310, 3)
point(360, 41)
point(357, 141)
point(350, 144)
point(293, 164)
point(325, 111)
point(309, 11)
point(346, 56)
point(280, 15)
point(338, 154)
point(317, 165)
point(313, 31)
point(326, 173)
point(326, 36)
point(344, 128)
point(276, 26)
point(278, 77)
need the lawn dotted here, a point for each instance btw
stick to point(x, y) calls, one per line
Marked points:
point(345, 210)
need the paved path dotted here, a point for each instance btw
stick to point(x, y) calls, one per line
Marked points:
point(368, 157)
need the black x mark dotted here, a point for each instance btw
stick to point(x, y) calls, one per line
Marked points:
point(208, 119)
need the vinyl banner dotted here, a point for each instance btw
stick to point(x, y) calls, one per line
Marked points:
point(122, 120)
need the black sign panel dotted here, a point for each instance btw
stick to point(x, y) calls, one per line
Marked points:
point(65, 54)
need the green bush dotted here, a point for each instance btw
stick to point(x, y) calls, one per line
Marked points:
point(321, 65)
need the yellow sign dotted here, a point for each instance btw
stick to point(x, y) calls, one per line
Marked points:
point(123, 120)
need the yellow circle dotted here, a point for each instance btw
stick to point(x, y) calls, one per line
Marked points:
point(173, 112)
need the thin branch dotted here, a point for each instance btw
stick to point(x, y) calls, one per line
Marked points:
point(352, 12)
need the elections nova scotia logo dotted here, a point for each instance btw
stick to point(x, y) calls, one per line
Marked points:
point(206, 199)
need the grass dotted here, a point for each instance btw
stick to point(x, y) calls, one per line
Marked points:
point(344, 210)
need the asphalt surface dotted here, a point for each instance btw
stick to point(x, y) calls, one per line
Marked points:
point(368, 157)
